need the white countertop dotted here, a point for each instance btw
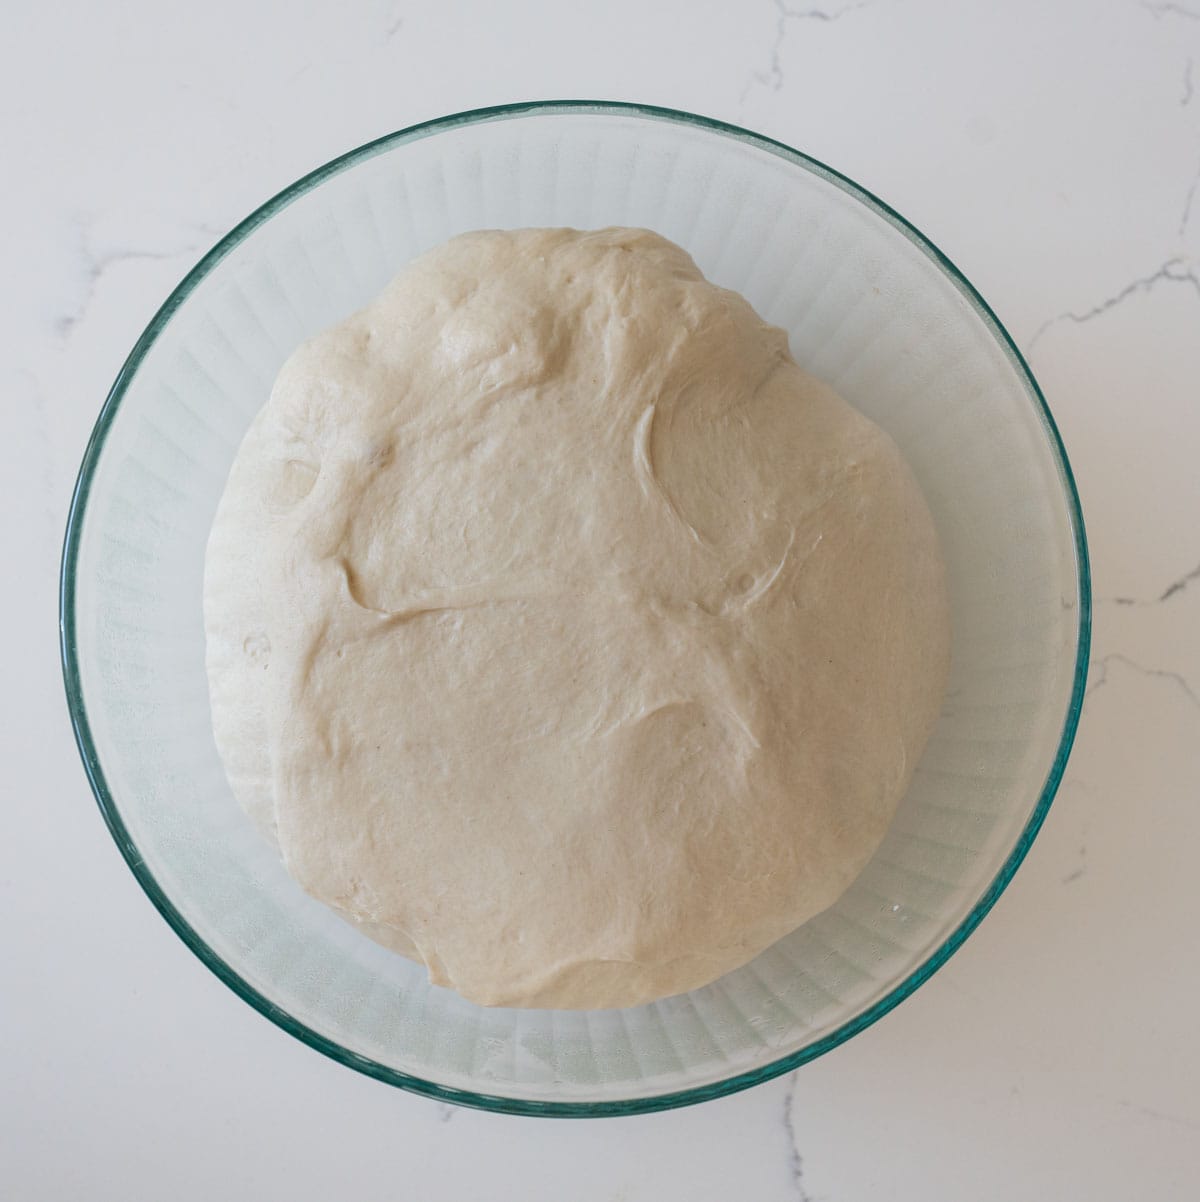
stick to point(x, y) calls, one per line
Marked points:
point(1053, 151)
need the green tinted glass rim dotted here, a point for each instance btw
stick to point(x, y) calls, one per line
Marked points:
point(68, 630)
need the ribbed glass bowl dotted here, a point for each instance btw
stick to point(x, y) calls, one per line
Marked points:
point(870, 306)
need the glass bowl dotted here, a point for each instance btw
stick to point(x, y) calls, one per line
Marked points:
point(870, 306)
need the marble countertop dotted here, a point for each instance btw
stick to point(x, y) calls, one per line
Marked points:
point(1053, 151)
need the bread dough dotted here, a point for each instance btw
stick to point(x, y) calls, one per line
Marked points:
point(563, 633)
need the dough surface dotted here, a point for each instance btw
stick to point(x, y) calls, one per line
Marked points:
point(562, 632)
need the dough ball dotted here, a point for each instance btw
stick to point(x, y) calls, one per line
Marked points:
point(563, 633)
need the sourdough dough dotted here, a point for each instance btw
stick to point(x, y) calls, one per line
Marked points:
point(565, 635)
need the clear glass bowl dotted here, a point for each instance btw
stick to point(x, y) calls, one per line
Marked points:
point(870, 305)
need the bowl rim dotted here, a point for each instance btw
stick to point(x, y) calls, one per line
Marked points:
point(68, 627)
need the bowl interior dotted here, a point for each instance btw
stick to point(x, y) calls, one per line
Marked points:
point(868, 307)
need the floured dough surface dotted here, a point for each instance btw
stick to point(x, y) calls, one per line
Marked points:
point(563, 633)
